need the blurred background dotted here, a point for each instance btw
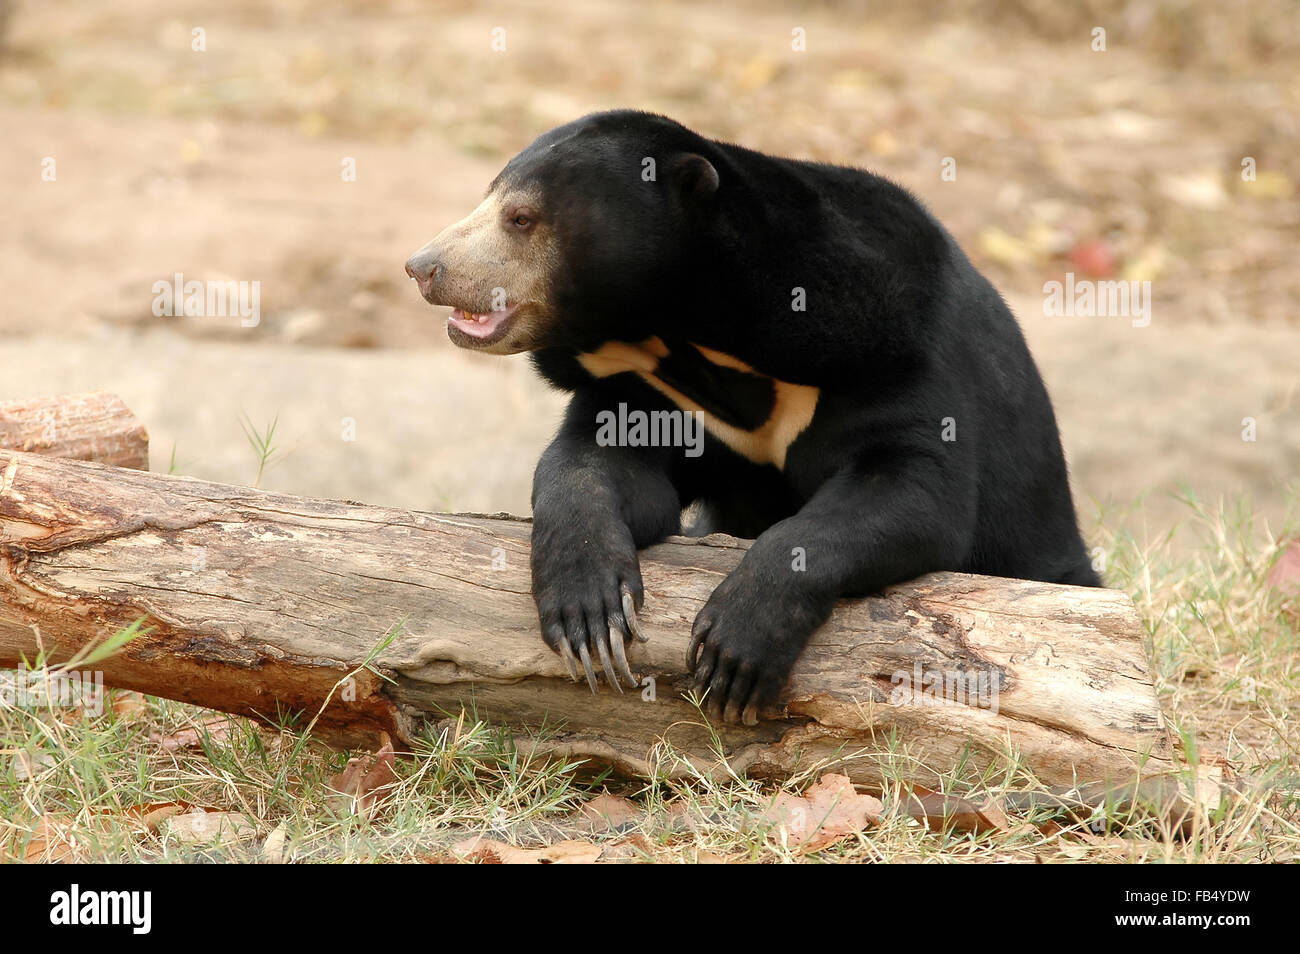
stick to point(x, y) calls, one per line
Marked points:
point(214, 140)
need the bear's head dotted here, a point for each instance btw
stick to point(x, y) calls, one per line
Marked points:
point(587, 235)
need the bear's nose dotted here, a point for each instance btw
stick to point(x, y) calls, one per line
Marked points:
point(423, 266)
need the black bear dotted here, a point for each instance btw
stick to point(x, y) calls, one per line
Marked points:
point(870, 411)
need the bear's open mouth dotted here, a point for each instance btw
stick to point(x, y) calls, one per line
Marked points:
point(484, 327)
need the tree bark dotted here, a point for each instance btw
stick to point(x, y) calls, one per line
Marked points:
point(95, 426)
point(258, 603)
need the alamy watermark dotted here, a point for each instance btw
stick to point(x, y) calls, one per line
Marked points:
point(38, 688)
point(1086, 298)
point(211, 299)
point(133, 909)
point(945, 687)
point(636, 428)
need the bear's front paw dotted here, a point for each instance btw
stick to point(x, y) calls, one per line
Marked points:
point(587, 594)
point(745, 642)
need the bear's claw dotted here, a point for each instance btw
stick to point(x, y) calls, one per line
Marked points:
point(744, 643)
point(586, 601)
point(620, 653)
point(586, 664)
point(581, 638)
point(569, 661)
point(606, 664)
point(629, 614)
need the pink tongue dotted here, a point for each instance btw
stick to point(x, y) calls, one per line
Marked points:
point(478, 329)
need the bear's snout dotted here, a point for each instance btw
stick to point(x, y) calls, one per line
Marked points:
point(425, 268)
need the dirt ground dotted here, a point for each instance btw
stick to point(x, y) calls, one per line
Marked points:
point(225, 163)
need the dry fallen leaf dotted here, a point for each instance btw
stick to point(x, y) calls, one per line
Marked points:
point(365, 779)
point(216, 727)
point(683, 816)
point(201, 827)
point(1000, 246)
point(127, 703)
point(607, 811)
point(1267, 184)
point(1094, 257)
point(1198, 190)
point(151, 816)
point(50, 840)
point(1049, 828)
point(273, 850)
point(1149, 264)
point(948, 811)
point(29, 764)
point(570, 853)
point(829, 811)
point(1285, 575)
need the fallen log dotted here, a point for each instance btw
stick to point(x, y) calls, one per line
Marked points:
point(259, 603)
point(95, 426)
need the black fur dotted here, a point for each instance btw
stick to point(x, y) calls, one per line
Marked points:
point(900, 332)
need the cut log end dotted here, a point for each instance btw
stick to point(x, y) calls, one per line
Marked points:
point(95, 426)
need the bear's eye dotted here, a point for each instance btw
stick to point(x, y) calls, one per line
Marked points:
point(522, 219)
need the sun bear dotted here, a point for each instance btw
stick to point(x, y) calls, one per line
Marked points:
point(867, 408)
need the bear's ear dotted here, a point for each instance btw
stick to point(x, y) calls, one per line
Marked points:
point(694, 177)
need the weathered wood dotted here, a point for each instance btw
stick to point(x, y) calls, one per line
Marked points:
point(95, 426)
point(259, 602)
